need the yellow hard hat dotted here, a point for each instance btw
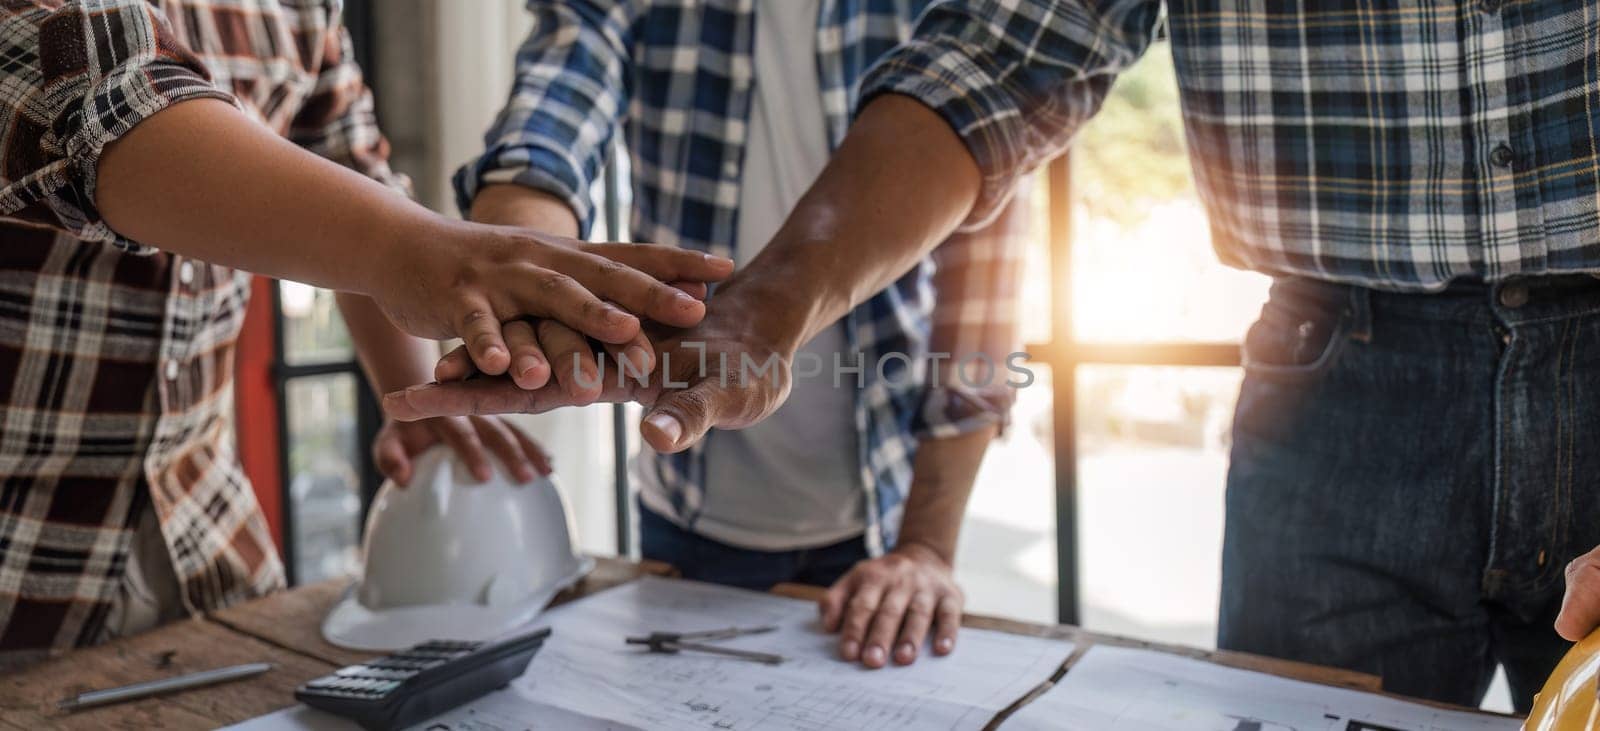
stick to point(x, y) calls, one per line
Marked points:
point(1568, 700)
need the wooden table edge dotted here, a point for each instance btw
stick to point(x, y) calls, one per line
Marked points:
point(612, 572)
point(1084, 639)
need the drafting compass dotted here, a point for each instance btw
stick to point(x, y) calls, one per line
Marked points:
point(675, 642)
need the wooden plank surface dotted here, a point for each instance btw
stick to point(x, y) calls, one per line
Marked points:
point(285, 629)
point(293, 619)
point(28, 699)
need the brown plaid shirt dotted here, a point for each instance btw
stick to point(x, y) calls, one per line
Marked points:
point(116, 360)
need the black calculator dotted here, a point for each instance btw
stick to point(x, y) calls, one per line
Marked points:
point(422, 682)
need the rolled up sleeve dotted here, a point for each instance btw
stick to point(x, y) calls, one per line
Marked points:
point(338, 119)
point(976, 322)
point(568, 101)
point(1015, 79)
point(78, 76)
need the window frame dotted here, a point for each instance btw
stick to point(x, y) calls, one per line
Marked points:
point(369, 419)
point(1064, 353)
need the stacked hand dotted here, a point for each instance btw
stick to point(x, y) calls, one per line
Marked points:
point(478, 283)
point(694, 379)
point(715, 371)
point(572, 285)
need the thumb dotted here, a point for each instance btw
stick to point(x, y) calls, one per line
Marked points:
point(1580, 608)
point(680, 418)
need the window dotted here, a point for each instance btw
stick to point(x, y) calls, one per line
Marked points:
point(1137, 357)
point(328, 419)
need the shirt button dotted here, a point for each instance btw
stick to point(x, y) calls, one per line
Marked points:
point(1513, 295)
point(172, 369)
point(1501, 156)
point(730, 169)
point(186, 273)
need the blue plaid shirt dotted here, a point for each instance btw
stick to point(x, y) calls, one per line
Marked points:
point(1398, 144)
point(679, 75)
point(1395, 144)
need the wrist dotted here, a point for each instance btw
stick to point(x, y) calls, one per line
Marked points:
point(760, 316)
point(925, 551)
point(405, 250)
point(509, 204)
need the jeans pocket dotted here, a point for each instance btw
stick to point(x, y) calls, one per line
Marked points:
point(1301, 331)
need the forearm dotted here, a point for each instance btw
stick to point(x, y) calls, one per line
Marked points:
point(900, 183)
point(392, 359)
point(203, 180)
point(509, 204)
point(941, 482)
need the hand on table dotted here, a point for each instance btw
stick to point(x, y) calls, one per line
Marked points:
point(1580, 608)
point(472, 438)
point(884, 608)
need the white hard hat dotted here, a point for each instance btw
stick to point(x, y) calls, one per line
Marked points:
point(449, 559)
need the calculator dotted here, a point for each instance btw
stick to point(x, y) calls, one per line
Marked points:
point(417, 684)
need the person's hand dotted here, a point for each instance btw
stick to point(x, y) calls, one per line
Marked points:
point(472, 439)
point(885, 607)
point(469, 281)
point(1580, 608)
point(717, 374)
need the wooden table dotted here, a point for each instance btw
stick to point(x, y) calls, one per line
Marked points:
point(285, 629)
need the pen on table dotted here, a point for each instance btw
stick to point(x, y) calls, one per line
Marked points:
point(164, 685)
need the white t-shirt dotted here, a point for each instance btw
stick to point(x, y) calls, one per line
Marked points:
point(793, 481)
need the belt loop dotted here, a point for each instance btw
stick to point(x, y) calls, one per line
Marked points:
point(1360, 314)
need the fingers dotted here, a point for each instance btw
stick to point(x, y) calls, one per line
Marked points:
point(578, 304)
point(636, 359)
point(636, 291)
point(666, 263)
point(490, 396)
point(697, 290)
point(480, 331)
point(456, 365)
point(496, 435)
point(946, 623)
point(463, 440)
point(390, 457)
point(858, 613)
point(531, 449)
point(573, 361)
point(1580, 607)
point(914, 627)
point(832, 603)
point(529, 367)
point(885, 626)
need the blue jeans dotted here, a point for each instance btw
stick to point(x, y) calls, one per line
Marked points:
point(1410, 476)
point(702, 559)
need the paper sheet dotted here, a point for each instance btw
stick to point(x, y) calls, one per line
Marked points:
point(586, 668)
point(585, 677)
point(503, 711)
point(1124, 689)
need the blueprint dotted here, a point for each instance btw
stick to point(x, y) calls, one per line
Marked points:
point(1124, 689)
point(585, 668)
point(586, 679)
